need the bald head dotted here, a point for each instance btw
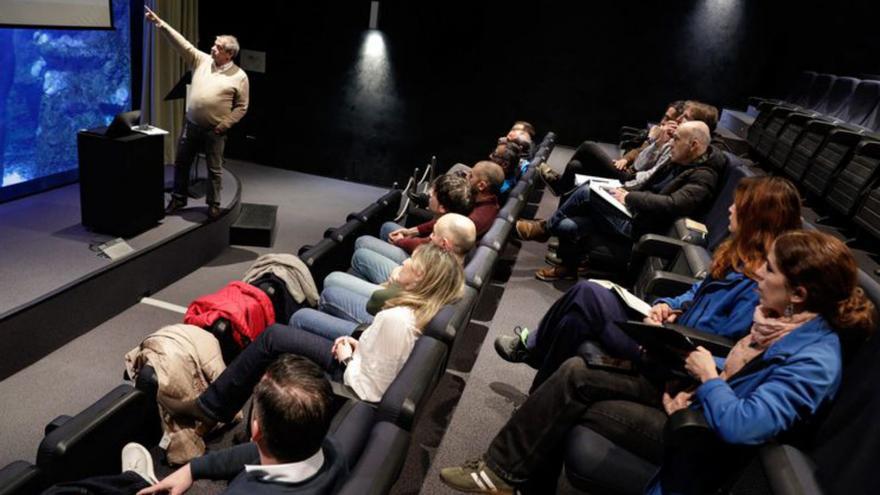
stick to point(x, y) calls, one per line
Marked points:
point(690, 141)
point(487, 177)
point(455, 232)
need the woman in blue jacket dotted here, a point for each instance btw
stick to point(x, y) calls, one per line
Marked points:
point(778, 374)
point(722, 303)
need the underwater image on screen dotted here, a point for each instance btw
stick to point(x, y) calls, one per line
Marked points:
point(54, 83)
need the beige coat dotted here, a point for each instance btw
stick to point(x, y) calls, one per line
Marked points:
point(186, 359)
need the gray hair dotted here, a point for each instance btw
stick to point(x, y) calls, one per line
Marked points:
point(230, 44)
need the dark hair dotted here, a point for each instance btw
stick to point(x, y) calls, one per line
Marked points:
point(506, 155)
point(678, 105)
point(293, 404)
point(453, 193)
point(825, 267)
point(765, 207)
point(703, 112)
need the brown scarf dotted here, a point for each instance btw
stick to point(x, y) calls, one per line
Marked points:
point(765, 331)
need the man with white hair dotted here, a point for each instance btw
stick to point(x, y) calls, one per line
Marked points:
point(678, 188)
point(217, 100)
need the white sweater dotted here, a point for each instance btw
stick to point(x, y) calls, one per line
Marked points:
point(216, 98)
point(381, 351)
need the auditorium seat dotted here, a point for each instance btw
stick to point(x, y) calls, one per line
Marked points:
point(834, 103)
point(511, 209)
point(828, 159)
point(452, 319)
point(497, 235)
point(345, 235)
point(849, 186)
point(405, 398)
point(862, 102)
point(867, 216)
point(21, 478)
point(90, 442)
point(800, 90)
point(478, 270)
point(323, 258)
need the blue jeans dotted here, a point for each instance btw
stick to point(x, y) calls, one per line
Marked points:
point(581, 215)
point(372, 266)
point(587, 311)
point(346, 304)
point(351, 283)
point(228, 393)
point(322, 324)
point(382, 247)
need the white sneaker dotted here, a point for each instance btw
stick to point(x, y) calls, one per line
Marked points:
point(135, 457)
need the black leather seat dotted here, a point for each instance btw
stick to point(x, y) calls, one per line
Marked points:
point(324, 257)
point(497, 235)
point(21, 478)
point(851, 184)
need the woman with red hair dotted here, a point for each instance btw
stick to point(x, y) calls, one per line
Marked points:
point(722, 303)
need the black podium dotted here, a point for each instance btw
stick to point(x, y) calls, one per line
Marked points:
point(121, 182)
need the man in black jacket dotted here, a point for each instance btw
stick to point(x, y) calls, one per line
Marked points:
point(686, 183)
point(289, 452)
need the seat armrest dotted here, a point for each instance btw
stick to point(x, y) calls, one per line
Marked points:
point(479, 268)
point(20, 478)
point(407, 393)
point(379, 465)
point(789, 471)
point(688, 235)
point(667, 284)
point(684, 425)
point(658, 245)
point(452, 318)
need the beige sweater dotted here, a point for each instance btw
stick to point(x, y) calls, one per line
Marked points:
point(216, 98)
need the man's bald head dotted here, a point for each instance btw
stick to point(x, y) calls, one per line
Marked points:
point(455, 232)
point(690, 141)
point(490, 174)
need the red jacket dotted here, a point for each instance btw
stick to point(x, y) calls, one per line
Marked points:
point(247, 308)
point(482, 215)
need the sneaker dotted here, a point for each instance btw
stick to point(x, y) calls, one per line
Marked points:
point(174, 205)
point(532, 230)
point(553, 243)
point(136, 458)
point(474, 476)
point(551, 273)
point(512, 348)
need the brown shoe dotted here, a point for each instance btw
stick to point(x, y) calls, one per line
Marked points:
point(532, 230)
point(551, 273)
point(174, 205)
point(214, 212)
point(547, 173)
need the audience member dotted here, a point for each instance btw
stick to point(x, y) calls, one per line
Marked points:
point(374, 258)
point(356, 300)
point(367, 365)
point(679, 188)
point(590, 159)
point(807, 293)
point(763, 208)
point(289, 447)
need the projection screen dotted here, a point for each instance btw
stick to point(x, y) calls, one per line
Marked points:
point(80, 14)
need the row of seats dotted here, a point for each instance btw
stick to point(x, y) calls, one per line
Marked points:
point(835, 161)
point(377, 435)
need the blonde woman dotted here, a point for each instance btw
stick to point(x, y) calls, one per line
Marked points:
point(432, 278)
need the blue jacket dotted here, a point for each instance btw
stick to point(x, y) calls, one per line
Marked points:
point(723, 307)
point(788, 382)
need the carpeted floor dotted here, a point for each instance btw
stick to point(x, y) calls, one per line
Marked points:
point(479, 394)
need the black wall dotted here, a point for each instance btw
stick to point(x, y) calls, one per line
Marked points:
point(459, 73)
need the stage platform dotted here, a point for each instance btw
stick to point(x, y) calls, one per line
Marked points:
point(53, 273)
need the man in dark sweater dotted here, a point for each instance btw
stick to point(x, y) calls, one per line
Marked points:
point(686, 183)
point(289, 452)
